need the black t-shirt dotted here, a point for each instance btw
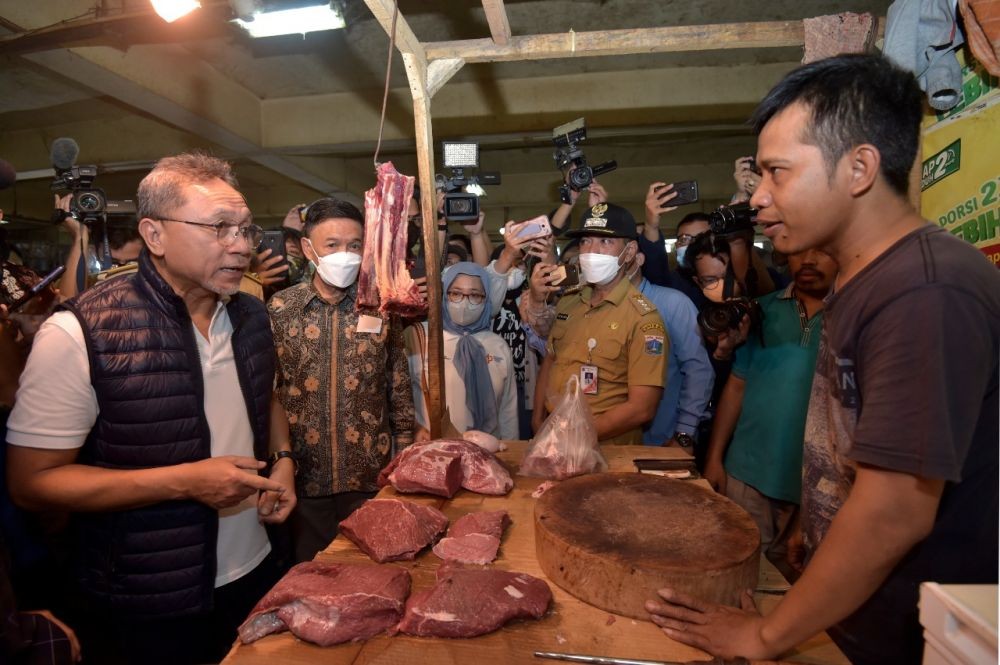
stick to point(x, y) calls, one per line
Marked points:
point(906, 380)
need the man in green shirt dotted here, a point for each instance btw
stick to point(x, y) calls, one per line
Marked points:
point(764, 403)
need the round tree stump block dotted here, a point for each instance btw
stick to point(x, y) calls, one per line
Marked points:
point(613, 539)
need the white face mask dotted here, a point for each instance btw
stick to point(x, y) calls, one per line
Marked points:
point(681, 251)
point(515, 278)
point(714, 292)
point(464, 313)
point(339, 269)
point(599, 269)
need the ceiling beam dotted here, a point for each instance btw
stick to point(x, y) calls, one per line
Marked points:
point(113, 76)
point(496, 16)
point(765, 34)
point(405, 39)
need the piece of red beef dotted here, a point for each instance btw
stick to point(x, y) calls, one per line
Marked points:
point(474, 538)
point(330, 603)
point(466, 603)
point(384, 280)
point(393, 530)
point(482, 472)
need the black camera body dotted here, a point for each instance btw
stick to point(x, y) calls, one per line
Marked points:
point(459, 204)
point(716, 318)
point(727, 220)
point(568, 153)
point(89, 204)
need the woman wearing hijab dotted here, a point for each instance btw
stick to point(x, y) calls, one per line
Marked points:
point(479, 377)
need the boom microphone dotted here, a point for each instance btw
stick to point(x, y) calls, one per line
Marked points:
point(64, 153)
point(8, 176)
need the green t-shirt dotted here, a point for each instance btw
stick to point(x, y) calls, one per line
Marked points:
point(766, 451)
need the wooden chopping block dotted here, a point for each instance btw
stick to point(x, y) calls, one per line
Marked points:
point(613, 539)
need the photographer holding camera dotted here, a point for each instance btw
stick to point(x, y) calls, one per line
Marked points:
point(762, 409)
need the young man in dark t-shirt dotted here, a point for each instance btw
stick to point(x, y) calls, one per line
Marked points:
point(900, 459)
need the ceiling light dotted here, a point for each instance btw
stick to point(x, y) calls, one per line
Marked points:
point(293, 21)
point(171, 10)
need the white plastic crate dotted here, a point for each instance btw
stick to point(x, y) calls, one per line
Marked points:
point(960, 623)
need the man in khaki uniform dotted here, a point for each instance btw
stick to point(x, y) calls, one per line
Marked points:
point(608, 335)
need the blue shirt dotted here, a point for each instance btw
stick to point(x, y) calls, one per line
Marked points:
point(689, 378)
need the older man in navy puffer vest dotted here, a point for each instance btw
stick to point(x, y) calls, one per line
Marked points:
point(145, 408)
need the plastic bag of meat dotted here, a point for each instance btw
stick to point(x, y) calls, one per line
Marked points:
point(566, 445)
point(384, 280)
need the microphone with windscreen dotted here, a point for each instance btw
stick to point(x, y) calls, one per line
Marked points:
point(63, 154)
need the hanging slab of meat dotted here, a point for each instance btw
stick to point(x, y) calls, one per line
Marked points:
point(474, 538)
point(393, 530)
point(384, 281)
point(330, 603)
point(481, 471)
point(613, 539)
point(466, 603)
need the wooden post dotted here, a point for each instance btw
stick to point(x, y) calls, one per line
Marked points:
point(416, 72)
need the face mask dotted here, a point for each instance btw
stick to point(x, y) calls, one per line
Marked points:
point(681, 251)
point(599, 269)
point(339, 269)
point(515, 278)
point(714, 292)
point(465, 313)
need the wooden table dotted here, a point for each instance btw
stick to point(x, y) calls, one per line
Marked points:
point(571, 626)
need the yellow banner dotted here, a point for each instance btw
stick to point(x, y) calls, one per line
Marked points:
point(960, 174)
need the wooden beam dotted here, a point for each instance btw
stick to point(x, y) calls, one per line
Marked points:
point(416, 72)
point(440, 72)
point(769, 34)
point(496, 16)
point(406, 41)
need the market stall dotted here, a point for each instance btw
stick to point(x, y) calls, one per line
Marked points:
point(570, 626)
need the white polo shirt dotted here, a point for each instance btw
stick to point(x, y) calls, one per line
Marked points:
point(56, 408)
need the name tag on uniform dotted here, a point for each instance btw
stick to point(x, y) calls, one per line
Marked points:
point(369, 324)
point(588, 379)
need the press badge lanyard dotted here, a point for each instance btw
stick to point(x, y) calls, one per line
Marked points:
point(588, 373)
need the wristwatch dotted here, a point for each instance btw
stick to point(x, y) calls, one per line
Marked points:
point(685, 440)
point(277, 455)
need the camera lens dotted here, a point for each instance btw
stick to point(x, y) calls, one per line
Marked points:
point(89, 202)
point(717, 318)
point(581, 177)
point(461, 206)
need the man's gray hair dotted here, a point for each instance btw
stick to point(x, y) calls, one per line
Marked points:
point(162, 189)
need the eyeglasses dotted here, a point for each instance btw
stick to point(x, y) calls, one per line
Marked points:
point(684, 239)
point(708, 281)
point(458, 296)
point(227, 234)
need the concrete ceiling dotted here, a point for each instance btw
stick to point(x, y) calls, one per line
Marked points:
point(300, 116)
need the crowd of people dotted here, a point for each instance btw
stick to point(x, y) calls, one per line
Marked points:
point(208, 413)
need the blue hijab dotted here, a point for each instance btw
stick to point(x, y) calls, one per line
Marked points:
point(470, 356)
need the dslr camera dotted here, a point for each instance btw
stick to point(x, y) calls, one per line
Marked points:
point(461, 192)
point(716, 318)
point(89, 204)
point(732, 219)
point(568, 153)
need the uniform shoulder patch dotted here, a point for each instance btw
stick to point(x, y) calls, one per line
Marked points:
point(651, 326)
point(641, 304)
point(654, 345)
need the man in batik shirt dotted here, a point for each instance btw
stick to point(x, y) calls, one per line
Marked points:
point(343, 379)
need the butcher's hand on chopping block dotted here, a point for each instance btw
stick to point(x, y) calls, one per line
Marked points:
point(721, 630)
